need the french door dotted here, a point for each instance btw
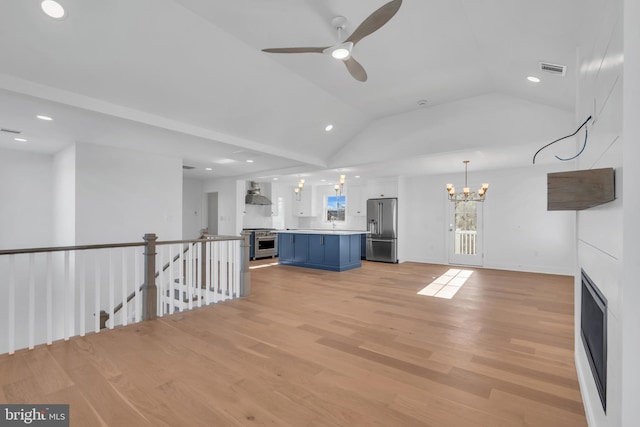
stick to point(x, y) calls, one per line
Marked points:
point(465, 233)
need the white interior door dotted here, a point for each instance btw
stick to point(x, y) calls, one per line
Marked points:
point(465, 233)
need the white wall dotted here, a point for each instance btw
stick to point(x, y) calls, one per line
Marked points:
point(193, 208)
point(64, 197)
point(519, 233)
point(25, 199)
point(230, 204)
point(600, 230)
point(630, 179)
point(123, 194)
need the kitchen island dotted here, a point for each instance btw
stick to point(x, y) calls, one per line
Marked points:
point(335, 250)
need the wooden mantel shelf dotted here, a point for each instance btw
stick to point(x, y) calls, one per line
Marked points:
point(578, 190)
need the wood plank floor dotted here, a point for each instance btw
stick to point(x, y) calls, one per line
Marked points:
point(316, 348)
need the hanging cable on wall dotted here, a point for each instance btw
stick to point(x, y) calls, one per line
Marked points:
point(565, 137)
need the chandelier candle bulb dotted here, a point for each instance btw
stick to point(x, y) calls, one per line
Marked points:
point(467, 195)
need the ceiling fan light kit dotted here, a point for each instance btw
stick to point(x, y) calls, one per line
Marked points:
point(342, 51)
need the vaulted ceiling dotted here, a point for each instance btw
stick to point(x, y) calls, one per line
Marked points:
point(188, 78)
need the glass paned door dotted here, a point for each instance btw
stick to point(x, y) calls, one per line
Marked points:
point(465, 230)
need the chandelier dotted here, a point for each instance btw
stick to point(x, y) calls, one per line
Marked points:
point(466, 195)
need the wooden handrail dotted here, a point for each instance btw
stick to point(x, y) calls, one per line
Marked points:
point(70, 248)
point(203, 238)
point(110, 245)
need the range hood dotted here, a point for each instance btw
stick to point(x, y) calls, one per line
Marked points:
point(254, 197)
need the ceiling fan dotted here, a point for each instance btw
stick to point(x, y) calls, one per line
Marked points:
point(342, 51)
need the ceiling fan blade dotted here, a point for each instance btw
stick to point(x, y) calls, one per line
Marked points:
point(356, 70)
point(374, 21)
point(295, 50)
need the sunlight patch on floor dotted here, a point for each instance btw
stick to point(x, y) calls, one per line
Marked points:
point(447, 285)
point(263, 265)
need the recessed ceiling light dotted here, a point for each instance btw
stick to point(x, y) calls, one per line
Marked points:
point(328, 127)
point(20, 139)
point(357, 176)
point(209, 169)
point(533, 79)
point(224, 161)
point(275, 179)
point(422, 102)
point(47, 118)
point(53, 9)
point(249, 161)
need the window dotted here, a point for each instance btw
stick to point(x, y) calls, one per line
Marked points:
point(336, 207)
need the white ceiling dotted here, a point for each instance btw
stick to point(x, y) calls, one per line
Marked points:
point(188, 78)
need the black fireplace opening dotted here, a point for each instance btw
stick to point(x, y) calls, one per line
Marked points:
point(593, 329)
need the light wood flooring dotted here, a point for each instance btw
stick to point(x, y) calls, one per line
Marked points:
point(316, 348)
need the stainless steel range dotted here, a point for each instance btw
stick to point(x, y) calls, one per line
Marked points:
point(264, 243)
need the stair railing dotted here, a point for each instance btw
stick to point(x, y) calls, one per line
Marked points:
point(55, 293)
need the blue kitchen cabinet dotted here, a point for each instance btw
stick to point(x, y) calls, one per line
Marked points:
point(293, 248)
point(325, 251)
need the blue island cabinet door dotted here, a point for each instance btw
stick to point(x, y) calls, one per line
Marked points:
point(301, 248)
point(332, 252)
point(316, 249)
point(356, 248)
point(285, 247)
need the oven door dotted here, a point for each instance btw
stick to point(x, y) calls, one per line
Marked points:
point(266, 246)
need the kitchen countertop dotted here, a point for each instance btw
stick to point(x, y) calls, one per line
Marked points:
point(324, 231)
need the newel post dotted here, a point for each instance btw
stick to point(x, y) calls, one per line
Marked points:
point(150, 292)
point(245, 274)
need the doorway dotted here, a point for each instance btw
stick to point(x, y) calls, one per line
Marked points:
point(465, 233)
point(212, 213)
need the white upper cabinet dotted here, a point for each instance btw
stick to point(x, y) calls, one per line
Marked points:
point(382, 188)
point(356, 200)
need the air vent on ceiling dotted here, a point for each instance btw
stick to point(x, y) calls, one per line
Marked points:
point(10, 131)
point(188, 167)
point(553, 68)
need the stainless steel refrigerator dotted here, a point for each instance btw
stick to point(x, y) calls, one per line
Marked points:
point(382, 225)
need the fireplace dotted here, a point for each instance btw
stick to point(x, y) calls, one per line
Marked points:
point(593, 329)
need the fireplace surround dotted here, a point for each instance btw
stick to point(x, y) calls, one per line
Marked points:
point(593, 329)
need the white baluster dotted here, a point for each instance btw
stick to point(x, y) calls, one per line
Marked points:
point(112, 319)
point(215, 273)
point(81, 260)
point(198, 267)
point(49, 300)
point(160, 283)
point(32, 301)
point(224, 278)
point(65, 293)
point(96, 286)
point(190, 278)
point(207, 284)
point(12, 304)
point(138, 304)
point(238, 267)
point(181, 278)
point(125, 291)
point(171, 278)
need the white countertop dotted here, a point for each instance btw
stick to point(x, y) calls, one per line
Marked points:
point(324, 231)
